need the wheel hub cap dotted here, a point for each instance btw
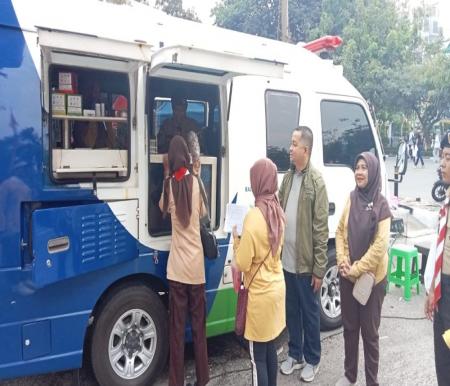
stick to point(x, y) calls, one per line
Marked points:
point(133, 341)
point(332, 290)
point(330, 296)
point(132, 344)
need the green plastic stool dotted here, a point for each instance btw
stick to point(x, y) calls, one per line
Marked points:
point(406, 257)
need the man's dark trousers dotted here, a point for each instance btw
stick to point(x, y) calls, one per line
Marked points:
point(302, 318)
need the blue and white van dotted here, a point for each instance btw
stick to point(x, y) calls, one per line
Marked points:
point(84, 88)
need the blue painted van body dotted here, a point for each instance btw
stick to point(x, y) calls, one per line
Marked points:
point(46, 302)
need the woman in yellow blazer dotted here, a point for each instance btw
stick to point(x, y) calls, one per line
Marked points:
point(261, 241)
point(362, 240)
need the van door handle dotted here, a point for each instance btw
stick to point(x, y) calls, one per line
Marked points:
point(331, 209)
point(60, 244)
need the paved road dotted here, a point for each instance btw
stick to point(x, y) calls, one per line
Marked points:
point(406, 347)
point(417, 182)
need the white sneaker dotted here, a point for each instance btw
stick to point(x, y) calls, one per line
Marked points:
point(343, 381)
point(290, 364)
point(309, 372)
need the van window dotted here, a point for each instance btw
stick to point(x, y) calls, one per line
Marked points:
point(89, 125)
point(345, 132)
point(282, 117)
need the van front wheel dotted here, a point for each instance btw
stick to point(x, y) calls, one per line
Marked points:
point(130, 338)
point(330, 296)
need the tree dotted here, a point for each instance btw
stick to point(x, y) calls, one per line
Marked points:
point(379, 43)
point(256, 17)
point(262, 17)
point(423, 91)
point(175, 8)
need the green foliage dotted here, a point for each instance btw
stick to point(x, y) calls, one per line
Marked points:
point(423, 91)
point(256, 17)
point(378, 42)
point(175, 8)
point(261, 17)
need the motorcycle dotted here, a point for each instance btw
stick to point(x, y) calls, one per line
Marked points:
point(439, 188)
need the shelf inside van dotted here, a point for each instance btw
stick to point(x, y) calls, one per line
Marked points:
point(66, 161)
point(90, 119)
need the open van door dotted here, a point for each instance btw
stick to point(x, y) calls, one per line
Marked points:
point(214, 64)
point(203, 76)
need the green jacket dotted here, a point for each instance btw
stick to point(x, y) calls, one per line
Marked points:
point(312, 221)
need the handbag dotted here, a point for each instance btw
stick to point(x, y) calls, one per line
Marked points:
point(241, 306)
point(209, 241)
point(363, 287)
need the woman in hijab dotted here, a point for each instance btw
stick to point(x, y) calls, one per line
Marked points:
point(362, 240)
point(257, 253)
point(181, 198)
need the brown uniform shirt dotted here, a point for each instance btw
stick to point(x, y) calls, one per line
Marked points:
point(186, 259)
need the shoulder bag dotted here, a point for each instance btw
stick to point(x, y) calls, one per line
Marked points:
point(242, 300)
point(209, 241)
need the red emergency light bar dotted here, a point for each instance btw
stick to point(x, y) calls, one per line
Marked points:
point(324, 43)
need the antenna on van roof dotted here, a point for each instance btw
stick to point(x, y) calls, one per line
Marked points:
point(325, 43)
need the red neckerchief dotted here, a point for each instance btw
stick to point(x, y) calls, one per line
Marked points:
point(180, 173)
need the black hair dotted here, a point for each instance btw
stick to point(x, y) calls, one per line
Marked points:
point(306, 136)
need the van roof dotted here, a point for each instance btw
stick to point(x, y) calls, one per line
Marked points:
point(155, 28)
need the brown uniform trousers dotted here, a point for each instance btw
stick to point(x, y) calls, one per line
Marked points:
point(187, 299)
point(366, 319)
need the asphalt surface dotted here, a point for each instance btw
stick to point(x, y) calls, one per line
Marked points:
point(417, 182)
point(406, 339)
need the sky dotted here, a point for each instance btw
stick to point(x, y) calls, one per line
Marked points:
point(203, 8)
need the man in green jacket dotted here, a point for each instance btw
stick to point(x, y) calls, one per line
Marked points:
point(304, 199)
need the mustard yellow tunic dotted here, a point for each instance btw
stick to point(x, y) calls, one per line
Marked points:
point(375, 260)
point(266, 316)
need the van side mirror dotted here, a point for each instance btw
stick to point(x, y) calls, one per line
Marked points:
point(401, 158)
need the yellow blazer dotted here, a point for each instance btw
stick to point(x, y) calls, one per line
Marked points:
point(266, 314)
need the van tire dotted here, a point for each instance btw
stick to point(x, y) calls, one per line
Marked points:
point(330, 295)
point(139, 321)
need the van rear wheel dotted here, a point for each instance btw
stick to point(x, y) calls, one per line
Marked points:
point(330, 296)
point(130, 338)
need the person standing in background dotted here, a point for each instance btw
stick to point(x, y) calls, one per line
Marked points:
point(304, 199)
point(420, 148)
point(178, 124)
point(436, 146)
